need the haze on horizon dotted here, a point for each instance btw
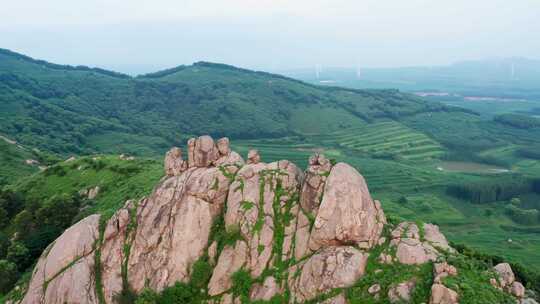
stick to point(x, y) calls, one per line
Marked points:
point(136, 36)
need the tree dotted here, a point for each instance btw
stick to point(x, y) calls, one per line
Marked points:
point(8, 275)
point(4, 244)
point(4, 220)
point(20, 255)
point(58, 211)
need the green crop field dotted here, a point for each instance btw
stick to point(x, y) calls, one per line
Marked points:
point(390, 139)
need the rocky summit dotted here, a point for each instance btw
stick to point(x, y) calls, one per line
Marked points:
point(254, 232)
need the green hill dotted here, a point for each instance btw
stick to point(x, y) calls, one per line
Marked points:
point(67, 109)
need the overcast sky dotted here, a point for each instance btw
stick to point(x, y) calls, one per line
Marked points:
point(141, 36)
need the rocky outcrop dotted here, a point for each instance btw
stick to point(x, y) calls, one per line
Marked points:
point(174, 164)
point(507, 280)
point(304, 236)
point(66, 267)
point(333, 267)
point(411, 248)
point(347, 214)
point(401, 293)
point(231, 260)
point(441, 294)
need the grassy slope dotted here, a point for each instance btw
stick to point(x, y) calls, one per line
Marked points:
point(12, 162)
point(118, 179)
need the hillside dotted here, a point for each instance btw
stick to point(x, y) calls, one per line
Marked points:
point(67, 109)
point(218, 229)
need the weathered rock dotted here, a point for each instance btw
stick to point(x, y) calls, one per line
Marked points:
point(441, 294)
point(401, 292)
point(266, 290)
point(173, 226)
point(230, 261)
point(223, 146)
point(226, 155)
point(32, 162)
point(74, 247)
point(332, 267)
point(253, 157)
point(202, 152)
point(93, 192)
point(347, 214)
point(517, 289)
point(442, 270)
point(436, 238)
point(385, 258)
point(410, 249)
point(373, 289)
point(301, 239)
point(212, 253)
point(74, 285)
point(112, 251)
point(174, 164)
point(506, 275)
point(258, 192)
point(313, 185)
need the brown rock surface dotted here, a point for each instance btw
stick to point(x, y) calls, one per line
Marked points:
point(347, 214)
point(173, 227)
point(230, 261)
point(266, 290)
point(174, 164)
point(441, 294)
point(506, 275)
point(55, 274)
point(332, 267)
point(401, 292)
point(410, 249)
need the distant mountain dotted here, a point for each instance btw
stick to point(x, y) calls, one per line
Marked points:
point(510, 77)
point(66, 109)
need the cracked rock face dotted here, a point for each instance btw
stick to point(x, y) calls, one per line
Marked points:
point(411, 249)
point(332, 267)
point(347, 214)
point(66, 267)
point(298, 233)
point(174, 164)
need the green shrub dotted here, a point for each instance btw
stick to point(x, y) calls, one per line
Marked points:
point(201, 274)
point(242, 282)
point(179, 293)
point(147, 296)
point(8, 275)
point(20, 255)
point(521, 216)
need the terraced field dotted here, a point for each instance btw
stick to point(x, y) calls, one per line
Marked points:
point(386, 139)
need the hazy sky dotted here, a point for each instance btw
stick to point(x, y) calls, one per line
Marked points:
point(142, 35)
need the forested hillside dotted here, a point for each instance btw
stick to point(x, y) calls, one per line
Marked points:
point(67, 109)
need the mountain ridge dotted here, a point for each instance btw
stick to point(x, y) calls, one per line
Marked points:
point(88, 107)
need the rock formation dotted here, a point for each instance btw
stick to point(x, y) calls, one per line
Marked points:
point(302, 236)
